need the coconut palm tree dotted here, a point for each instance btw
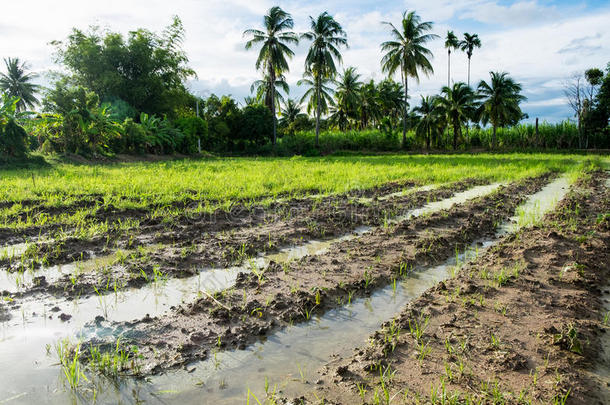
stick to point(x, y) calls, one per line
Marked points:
point(262, 91)
point(467, 45)
point(347, 94)
point(451, 42)
point(290, 112)
point(458, 104)
point(428, 122)
point(390, 97)
point(500, 101)
point(368, 109)
point(319, 95)
point(17, 83)
point(272, 57)
point(326, 37)
point(250, 100)
point(406, 52)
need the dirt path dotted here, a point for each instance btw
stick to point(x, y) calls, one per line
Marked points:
point(523, 324)
point(282, 294)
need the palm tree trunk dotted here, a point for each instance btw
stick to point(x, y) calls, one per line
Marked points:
point(317, 112)
point(428, 139)
point(404, 113)
point(469, 71)
point(272, 80)
point(468, 120)
point(456, 126)
point(449, 68)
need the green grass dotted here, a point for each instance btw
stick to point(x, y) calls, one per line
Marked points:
point(244, 178)
point(217, 183)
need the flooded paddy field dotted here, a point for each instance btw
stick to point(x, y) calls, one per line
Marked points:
point(286, 289)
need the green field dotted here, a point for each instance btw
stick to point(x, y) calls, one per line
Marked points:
point(247, 178)
point(218, 183)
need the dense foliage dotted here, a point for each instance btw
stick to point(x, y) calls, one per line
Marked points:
point(12, 135)
point(595, 109)
point(128, 95)
point(146, 70)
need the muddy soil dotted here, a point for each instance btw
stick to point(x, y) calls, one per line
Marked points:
point(522, 324)
point(282, 294)
point(105, 211)
point(188, 248)
point(240, 214)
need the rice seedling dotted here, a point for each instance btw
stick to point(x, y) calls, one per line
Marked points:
point(69, 359)
point(561, 399)
point(423, 350)
point(417, 327)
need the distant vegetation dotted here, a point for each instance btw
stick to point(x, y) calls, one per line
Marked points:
point(128, 95)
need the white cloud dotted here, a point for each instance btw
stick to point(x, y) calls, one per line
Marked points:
point(538, 44)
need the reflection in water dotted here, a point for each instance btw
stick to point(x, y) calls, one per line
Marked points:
point(286, 357)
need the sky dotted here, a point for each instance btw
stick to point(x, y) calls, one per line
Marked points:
point(540, 43)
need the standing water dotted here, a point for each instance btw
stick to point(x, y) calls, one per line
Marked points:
point(287, 357)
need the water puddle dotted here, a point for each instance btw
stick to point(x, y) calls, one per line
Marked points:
point(401, 193)
point(301, 349)
point(287, 357)
point(539, 204)
point(314, 247)
point(21, 281)
point(458, 198)
point(10, 251)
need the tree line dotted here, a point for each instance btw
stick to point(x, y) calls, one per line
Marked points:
point(128, 94)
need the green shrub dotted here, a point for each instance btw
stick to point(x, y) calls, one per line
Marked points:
point(254, 127)
point(194, 129)
point(13, 139)
point(47, 148)
point(303, 143)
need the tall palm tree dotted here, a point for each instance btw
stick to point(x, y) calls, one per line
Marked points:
point(275, 41)
point(263, 95)
point(319, 95)
point(326, 37)
point(406, 52)
point(458, 103)
point(451, 42)
point(467, 45)
point(500, 101)
point(17, 83)
point(347, 93)
point(428, 122)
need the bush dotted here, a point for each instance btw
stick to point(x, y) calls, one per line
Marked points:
point(47, 148)
point(194, 129)
point(133, 138)
point(13, 139)
point(119, 110)
point(254, 127)
point(303, 143)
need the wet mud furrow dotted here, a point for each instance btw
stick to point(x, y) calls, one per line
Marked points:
point(523, 323)
point(291, 292)
point(99, 210)
point(187, 250)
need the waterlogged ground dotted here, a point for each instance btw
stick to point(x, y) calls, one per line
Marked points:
point(201, 294)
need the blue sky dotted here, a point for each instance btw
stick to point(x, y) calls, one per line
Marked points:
point(541, 43)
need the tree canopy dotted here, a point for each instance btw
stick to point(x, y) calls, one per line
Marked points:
point(147, 70)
